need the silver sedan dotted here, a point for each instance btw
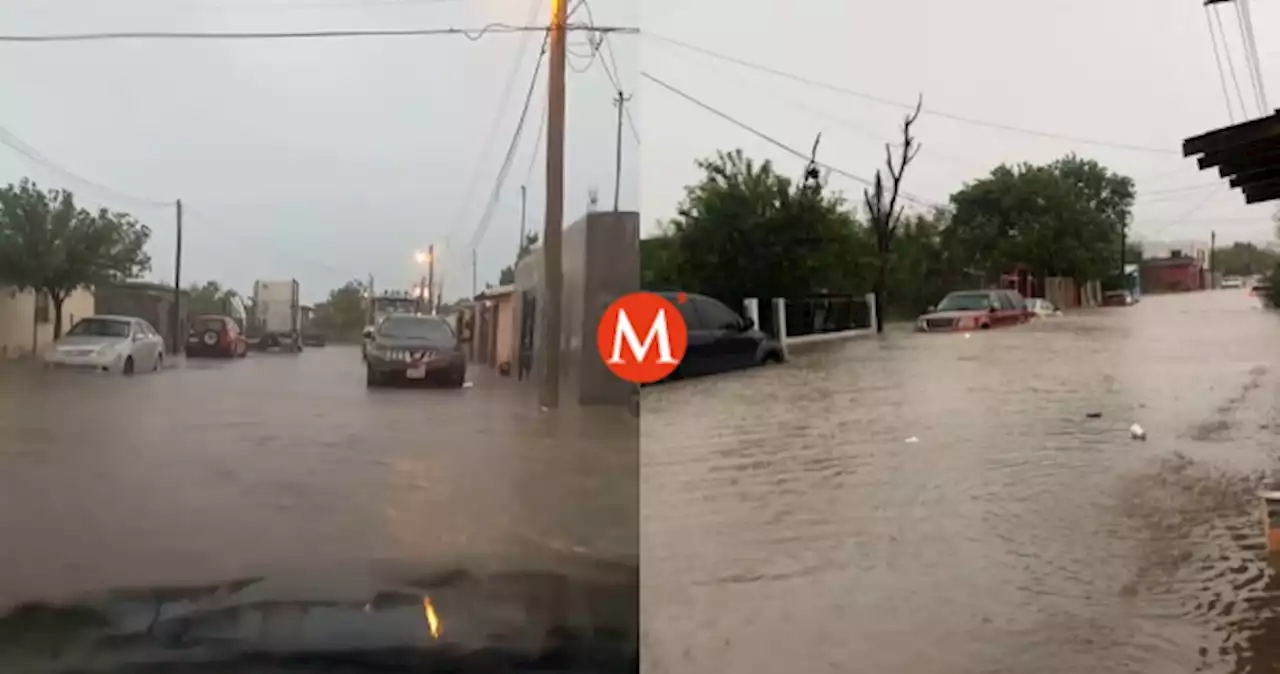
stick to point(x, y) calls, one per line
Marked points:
point(121, 344)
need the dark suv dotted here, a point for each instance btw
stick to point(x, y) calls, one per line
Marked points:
point(720, 339)
point(216, 336)
point(409, 347)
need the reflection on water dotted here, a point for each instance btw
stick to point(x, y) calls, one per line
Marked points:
point(787, 523)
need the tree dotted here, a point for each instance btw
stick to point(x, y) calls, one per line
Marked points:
point(210, 298)
point(883, 210)
point(746, 231)
point(1244, 259)
point(49, 245)
point(508, 274)
point(343, 314)
point(1066, 218)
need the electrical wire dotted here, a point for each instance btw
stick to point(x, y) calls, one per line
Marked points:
point(1222, 75)
point(614, 80)
point(1255, 77)
point(487, 218)
point(473, 34)
point(775, 142)
point(906, 106)
point(13, 142)
point(537, 143)
point(1252, 51)
point(1231, 65)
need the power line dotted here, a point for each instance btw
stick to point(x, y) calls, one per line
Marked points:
point(614, 80)
point(1255, 74)
point(472, 34)
point(537, 144)
point(907, 106)
point(1231, 64)
point(1222, 75)
point(773, 141)
point(483, 226)
point(13, 142)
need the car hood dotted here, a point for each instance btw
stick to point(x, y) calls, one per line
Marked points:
point(956, 314)
point(444, 617)
point(411, 343)
point(86, 341)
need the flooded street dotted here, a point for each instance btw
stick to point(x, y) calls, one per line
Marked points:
point(788, 524)
point(280, 463)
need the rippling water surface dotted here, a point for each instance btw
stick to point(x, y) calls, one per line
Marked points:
point(788, 525)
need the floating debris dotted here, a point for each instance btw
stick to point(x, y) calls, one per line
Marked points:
point(912, 440)
point(1093, 415)
point(468, 384)
point(1137, 432)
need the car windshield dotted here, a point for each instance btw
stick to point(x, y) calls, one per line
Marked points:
point(432, 329)
point(965, 302)
point(99, 327)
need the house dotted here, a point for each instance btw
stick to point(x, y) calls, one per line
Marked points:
point(26, 319)
point(494, 328)
point(1174, 274)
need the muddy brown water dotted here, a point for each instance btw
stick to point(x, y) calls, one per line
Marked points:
point(788, 526)
point(282, 464)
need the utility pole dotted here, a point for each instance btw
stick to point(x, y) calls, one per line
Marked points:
point(368, 302)
point(552, 226)
point(177, 284)
point(1213, 252)
point(429, 290)
point(523, 196)
point(620, 101)
point(474, 289)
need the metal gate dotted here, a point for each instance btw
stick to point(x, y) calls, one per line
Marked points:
point(528, 323)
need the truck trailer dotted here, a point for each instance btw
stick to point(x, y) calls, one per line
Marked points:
point(277, 316)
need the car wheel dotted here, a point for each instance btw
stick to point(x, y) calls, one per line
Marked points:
point(127, 368)
point(984, 326)
point(159, 363)
point(458, 379)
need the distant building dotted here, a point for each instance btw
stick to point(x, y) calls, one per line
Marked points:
point(1187, 248)
point(1172, 275)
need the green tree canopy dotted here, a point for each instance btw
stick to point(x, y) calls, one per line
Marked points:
point(746, 231)
point(343, 314)
point(508, 274)
point(1244, 259)
point(1065, 218)
point(210, 298)
point(49, 245)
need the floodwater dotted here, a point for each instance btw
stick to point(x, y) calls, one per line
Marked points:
point(277, 464)
point(789, 526)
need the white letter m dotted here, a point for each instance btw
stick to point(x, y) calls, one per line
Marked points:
point(657, 332)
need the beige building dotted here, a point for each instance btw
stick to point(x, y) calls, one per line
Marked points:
point(26, 319)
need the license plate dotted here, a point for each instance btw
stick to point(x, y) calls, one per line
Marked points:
point(416, 371)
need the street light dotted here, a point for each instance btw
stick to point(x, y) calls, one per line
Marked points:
point(422, 257)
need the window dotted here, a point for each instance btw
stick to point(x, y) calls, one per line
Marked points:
point(100, 327)
point(42, 307)
point(715, 316)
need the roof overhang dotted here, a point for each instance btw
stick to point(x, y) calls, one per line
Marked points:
point(1247, 154)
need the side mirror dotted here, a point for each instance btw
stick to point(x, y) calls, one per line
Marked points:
point(138, 336)
point(746, 325)
point(931, 308)
point(368, 333)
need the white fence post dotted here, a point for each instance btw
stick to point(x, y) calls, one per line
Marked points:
point(751, 306)
point(780, 323)
point(871, 311)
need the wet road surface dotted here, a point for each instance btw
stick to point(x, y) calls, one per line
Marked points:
point(280, 463)
point(789, 526)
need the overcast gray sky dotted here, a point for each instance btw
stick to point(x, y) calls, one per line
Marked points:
point(323, 160)
point(1138, 72)
point(328, 160)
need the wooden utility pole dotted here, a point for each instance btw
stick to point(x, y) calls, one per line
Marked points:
point(176, 319)
point(474, 282)
point(552, 226)
point(523, 197)
point(430, 279)
point(1213, 252)
point(620, 101)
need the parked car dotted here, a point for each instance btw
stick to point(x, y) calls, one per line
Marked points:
point(965, 310)
point(108, 343)
point(217, 336)
point(1039, 307)
point(1262, 291)
point(1232, 282)
point(720, 339)
point(413, 347)
point(314, 339)
point(1118, 298)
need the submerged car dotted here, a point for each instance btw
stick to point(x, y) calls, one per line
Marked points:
point(106, 343)
point(217, 336)
point(965, 310)
point(1118, 298)
point(1038, 307)
point(720, 339)
point(414, 347)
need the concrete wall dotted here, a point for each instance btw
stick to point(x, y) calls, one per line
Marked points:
point(601, 254)
point(151, 302)
point(504, 339)
point(17, 318)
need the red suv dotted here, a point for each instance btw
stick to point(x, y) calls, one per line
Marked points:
point(975, 310)
point(217, 336)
